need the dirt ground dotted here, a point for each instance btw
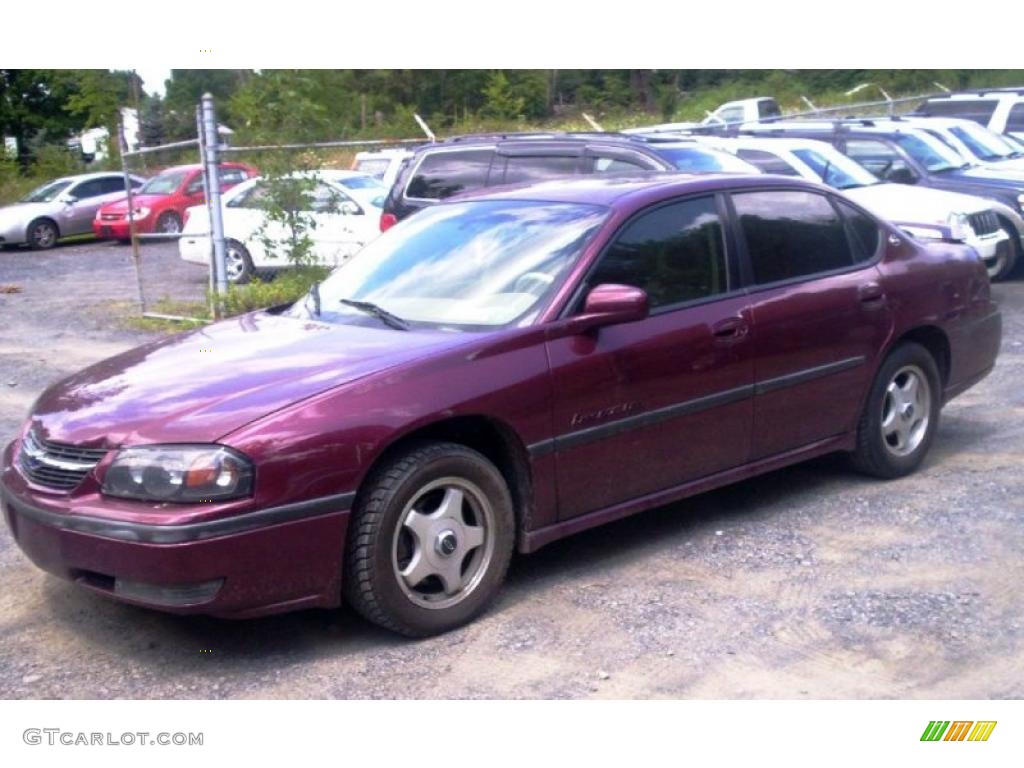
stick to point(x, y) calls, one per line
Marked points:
point(811, 582)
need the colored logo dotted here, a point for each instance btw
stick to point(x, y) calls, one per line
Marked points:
point(958, 730)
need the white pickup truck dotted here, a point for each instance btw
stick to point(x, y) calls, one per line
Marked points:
point(755, 110)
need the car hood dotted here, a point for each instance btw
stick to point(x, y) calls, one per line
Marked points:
point(907, 204)
point(23, 212)
point(989, 174)
point(140, 201)
point(201, 385)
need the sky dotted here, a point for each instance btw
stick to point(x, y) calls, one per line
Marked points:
point(153, 78)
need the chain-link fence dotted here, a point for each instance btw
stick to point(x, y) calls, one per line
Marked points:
point(184, 268)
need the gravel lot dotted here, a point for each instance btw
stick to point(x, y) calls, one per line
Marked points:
point(811, 582)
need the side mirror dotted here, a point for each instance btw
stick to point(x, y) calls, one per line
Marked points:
point(68, 199)
point(349, 208)
point(610, 304)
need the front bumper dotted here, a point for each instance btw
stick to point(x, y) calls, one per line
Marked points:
point(118, 229)
point(248, 564)
point(988, 245)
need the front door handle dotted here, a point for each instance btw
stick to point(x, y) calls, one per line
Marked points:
point(730, 330)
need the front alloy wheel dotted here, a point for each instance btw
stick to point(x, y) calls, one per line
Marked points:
point(906, 411)
point(430, 539)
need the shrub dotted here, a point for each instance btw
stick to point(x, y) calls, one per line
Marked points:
point(286, 288)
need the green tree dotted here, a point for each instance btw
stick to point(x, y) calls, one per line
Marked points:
point(500, 99)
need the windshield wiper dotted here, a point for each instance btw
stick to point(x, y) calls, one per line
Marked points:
point(379, 312)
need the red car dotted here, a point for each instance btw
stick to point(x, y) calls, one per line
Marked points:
point(492, 374)
point(161, 202)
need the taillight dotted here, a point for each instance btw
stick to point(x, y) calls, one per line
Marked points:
point(387, 221)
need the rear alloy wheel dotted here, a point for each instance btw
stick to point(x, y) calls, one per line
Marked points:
point(237, 263)
point(430, 540)
point(168, 223)
point(901, 415)
point(42, 234)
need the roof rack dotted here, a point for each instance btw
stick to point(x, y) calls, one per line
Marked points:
point(982, 91)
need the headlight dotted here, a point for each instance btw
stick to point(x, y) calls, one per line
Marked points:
point(959, 227)
point(141, 213)
point(181, 473)
point(923, 233)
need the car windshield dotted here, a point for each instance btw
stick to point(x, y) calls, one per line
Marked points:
point(475, 265)
point(46, 193)
point(982, 143)
point(697, 160)
point(836, 170)
point(164, 184)
point(929, 152)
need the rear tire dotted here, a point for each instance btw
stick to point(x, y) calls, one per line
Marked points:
point(901, 414)
point(237, 263)
point(430, 540)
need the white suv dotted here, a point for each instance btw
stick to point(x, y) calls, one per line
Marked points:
point(927, 214)
point(999, 109)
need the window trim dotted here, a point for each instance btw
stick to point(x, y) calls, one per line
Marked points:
point(747, 266)
point(492, 148)
point(571, 307)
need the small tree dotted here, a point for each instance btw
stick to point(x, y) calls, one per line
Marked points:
point(501, 99)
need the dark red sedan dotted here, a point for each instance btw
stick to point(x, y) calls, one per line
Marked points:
point(492, 374)
point(161, 202)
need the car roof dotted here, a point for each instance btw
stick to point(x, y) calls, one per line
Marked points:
point(553, 137)
point(623, 189)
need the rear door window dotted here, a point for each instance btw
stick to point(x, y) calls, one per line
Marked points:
point(443, 174)
point(791, 234)
point(526, 168)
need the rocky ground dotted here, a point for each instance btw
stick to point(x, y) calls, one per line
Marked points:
point(810, 582)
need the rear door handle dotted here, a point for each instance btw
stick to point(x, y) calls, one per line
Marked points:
point(871, 295)
point(730, 330)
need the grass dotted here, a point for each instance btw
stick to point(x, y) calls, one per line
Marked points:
point(286, 288)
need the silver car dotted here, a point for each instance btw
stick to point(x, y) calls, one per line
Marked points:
point(60, 208)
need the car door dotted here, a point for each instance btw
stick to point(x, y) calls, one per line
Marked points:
point(337, 233)
point(86, 197)
point(646, 406)
point(819, 313)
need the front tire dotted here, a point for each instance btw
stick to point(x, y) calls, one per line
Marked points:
point(1005, 261)
point(901, 414)
point(42, 234)
point(430, 540)
point(168, 223)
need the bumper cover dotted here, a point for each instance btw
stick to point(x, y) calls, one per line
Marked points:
point(251, 564)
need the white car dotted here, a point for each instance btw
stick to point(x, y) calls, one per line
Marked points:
point(345, 209)
point(927, 214)
point(974, 143)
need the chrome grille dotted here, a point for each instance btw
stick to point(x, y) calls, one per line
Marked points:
point(984, 223)
point(57, 465)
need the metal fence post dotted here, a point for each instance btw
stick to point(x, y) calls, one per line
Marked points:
point(210, 145)
point(123, 146)
point(212, 271)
